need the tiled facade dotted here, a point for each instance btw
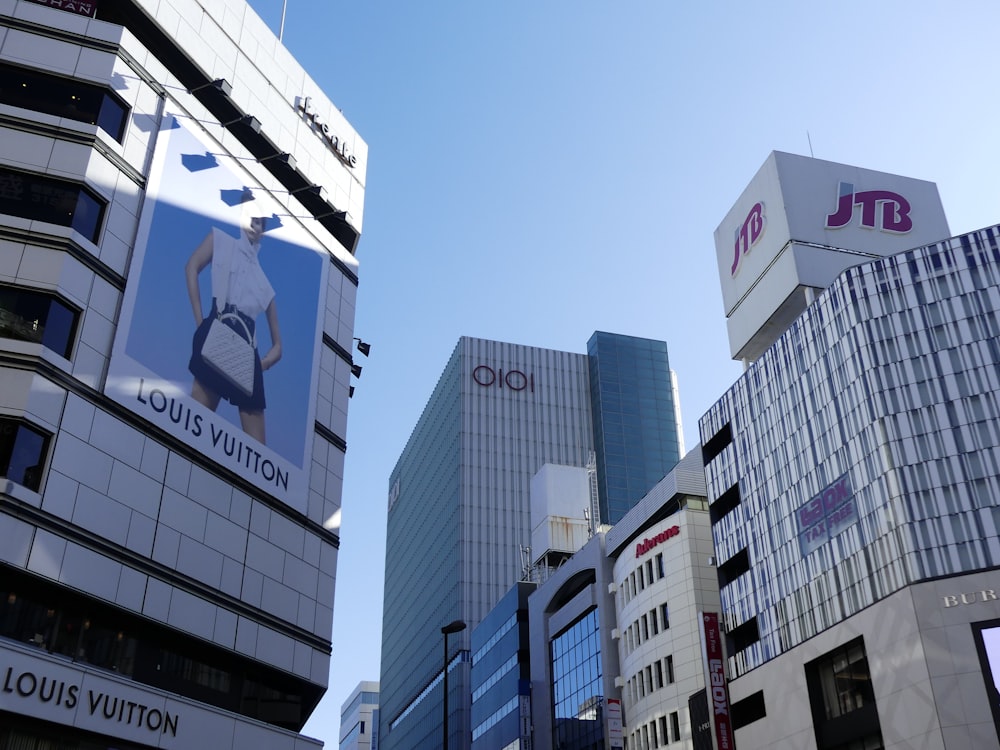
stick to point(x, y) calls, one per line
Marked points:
point(121, 522)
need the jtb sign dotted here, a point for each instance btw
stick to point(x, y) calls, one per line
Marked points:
point(895, 209)
point(748, 234)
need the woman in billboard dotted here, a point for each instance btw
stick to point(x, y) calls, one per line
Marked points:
point(240, 293)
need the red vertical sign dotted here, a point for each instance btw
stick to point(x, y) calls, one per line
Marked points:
point(718, 695)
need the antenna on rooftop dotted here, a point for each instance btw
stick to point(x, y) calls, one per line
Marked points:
point(807, 138)
point(595, 504)
point(281, 28)
point(527, 568)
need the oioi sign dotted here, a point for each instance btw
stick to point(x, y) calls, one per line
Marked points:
point(515, 380)
point(894, 217)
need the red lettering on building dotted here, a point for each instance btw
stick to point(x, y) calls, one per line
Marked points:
point(649, 542)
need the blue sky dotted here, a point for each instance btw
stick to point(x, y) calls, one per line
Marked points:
point(541, 170)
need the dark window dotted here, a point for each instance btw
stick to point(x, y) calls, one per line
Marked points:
point(743, 636)
point(659, 566)
point(843, 700)
point(670, 669)
point(24, 733)
point(748, 710)
point(734, 567)
point(39, 317)
point(716, 444)
point(63, 97)
point(52, 618)
point(675, 726)
point(41, 198)
point(22, 452)
point(665, 616)
point(725, 504)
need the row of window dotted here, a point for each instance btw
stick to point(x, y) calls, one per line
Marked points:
point(41, 198)
point(63, 97)
point(84, 630)
point(494, 678)
point(352, 737)
point(649, 679)
point(645, 627)
point(365, 696)
point(19, 732)
point(658, 733)
point(642, 577)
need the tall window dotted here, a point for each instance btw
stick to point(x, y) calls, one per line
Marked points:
point(22, 452)
point(38, 317)
point(577, 686)
point(843, 700)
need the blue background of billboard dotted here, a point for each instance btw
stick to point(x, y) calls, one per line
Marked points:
point(163, 323)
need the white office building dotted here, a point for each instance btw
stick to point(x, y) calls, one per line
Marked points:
point(169, 177)
point(359, 718)
point(853, 471)
point(667, 609)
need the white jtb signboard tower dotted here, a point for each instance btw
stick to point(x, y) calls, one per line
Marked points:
point(798, 225)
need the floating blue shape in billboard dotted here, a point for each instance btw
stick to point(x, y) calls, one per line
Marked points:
point(198, 162)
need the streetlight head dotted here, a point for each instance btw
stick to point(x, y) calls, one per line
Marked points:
point(456, 626)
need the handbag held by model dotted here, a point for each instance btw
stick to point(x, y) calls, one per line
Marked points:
point(230, 354)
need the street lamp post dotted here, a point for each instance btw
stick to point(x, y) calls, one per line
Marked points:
point(457, 626)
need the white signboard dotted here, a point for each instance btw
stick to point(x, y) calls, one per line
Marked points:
point(814, 202)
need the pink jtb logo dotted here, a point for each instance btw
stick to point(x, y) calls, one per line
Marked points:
point(895, 209)
point(748, 234)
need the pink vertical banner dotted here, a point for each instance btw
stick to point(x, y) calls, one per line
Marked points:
point(718, 695)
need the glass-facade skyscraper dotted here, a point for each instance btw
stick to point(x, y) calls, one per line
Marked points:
point(636, 436)
point(459, 511)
